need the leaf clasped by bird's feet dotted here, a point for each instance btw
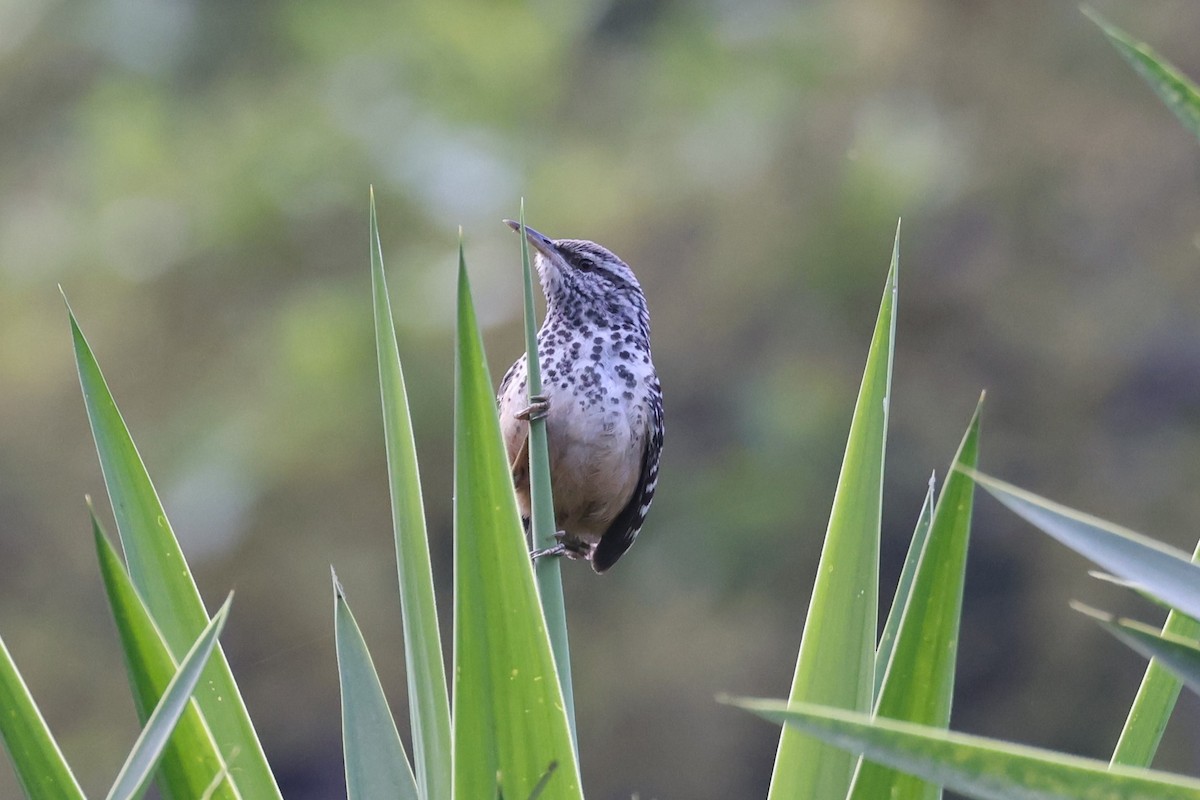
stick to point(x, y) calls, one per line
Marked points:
point(566, 546)
point(538, 408)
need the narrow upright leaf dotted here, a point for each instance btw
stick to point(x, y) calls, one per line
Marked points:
point(919, 684)
point(988, 769)
point(836, 664)
point(428, 697)
point(1163, 571)
point(376, 764)
point(1172, 86)
point(548, 571)
point(916, 548)
point(41, 769)
point(191, 761)
point(139, 767)
point(510, 722)
point(1155, 698)
point(163, 580)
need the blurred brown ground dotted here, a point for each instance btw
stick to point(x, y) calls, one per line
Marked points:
point(195, 176)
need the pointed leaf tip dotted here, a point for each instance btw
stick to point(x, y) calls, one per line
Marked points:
point(836, 660)
point(1094, 613)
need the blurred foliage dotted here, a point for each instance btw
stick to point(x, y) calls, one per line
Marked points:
point(195, 175)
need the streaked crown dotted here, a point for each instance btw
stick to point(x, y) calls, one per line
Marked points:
point(578, 275)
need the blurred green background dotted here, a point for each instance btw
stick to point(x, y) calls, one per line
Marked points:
point(195, 176)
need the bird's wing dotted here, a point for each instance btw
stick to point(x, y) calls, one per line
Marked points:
point(508, 376)
point(516, 437)
point(624, 529)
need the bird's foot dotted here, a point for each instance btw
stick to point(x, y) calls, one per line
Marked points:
point(565, 545)
point(559, 549)
point(538, 408)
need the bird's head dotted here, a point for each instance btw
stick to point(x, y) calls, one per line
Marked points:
point(575, 270)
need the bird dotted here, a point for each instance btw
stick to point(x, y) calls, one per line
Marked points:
point(601, 400)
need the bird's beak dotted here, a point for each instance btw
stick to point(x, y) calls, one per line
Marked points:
point(543, 244)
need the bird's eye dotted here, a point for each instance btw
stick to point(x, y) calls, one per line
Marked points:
point(586, 264)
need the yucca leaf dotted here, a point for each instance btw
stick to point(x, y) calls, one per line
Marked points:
point(1164, 571)
point(548, 571)
point(987, 769)
point(191, 761)
point(376, 764)
point(163, 580)
point(1155, 699)
point(919, 684)
point(1158, 570)
point(510, 722)
point(428, 696)
point(1172, 86)
point(1181, 656)
point(1137, 588)
point(916, 547)
point(139, 767)
point(836, 663)
point(41, 769)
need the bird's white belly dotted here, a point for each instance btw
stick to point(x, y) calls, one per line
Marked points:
point(595, 457)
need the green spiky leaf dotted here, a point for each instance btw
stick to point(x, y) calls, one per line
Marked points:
point(1155, 699)
point(548, 571)
point(376, 764)
point(41, 769)
point(192, 764)
point(163, 580)
point(836, 664)
point(510, 722)
point(987, 769)
point(1172, 86)
point(916, 548)
point(1164, 571)
point(919, 684)
point(139, 767)
point(1181, 656)
point(429, 703)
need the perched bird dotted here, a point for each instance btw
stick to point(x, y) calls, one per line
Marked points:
point(600, 398)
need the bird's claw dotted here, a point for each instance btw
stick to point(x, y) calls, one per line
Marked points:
point(559, 549)
point(564, 546)
point(538, 408)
